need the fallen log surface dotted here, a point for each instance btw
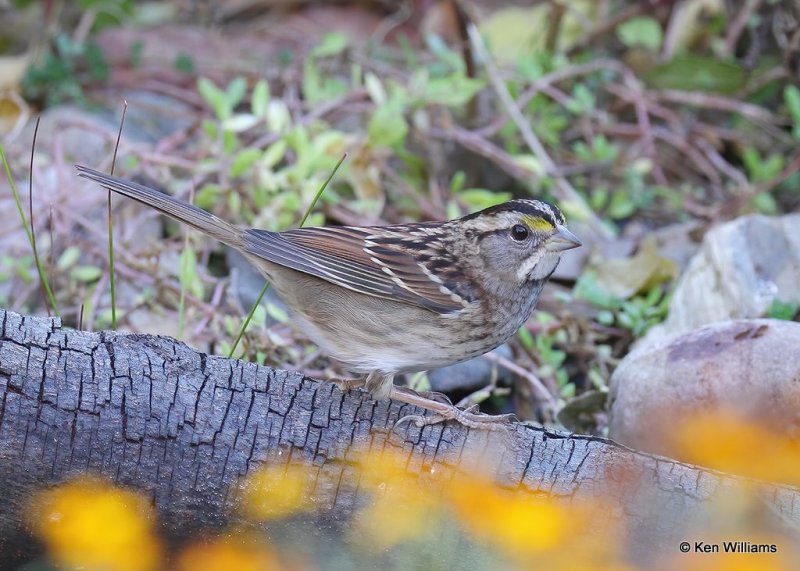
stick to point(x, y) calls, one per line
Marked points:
point(185, 427)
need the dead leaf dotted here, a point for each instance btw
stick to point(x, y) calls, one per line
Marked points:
point(12, 68)
point(625, 277)
point(14, 113)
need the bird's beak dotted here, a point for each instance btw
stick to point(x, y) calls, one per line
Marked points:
point(562, 239)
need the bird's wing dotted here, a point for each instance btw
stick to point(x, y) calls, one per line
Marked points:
point(374, 261)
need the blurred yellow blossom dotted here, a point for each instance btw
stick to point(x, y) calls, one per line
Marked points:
point(237, 552)
point(731, 442)
point(89, 524)
point(403, 505)
point(276, 491)
point(535, 529)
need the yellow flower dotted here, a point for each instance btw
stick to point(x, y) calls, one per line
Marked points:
point(536, 530)
point(239, 553)
point(517, 523)
point(277, 490)
point(89, 524)
point(402, 505)
point(730, 442)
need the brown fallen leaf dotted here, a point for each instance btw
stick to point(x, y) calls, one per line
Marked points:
point(626, 277)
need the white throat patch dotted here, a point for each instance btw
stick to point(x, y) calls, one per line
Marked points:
point(538, 266)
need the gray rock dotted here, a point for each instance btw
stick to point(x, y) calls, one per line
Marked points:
point(150, 116)
point(741, 268)
point(470, 375)
point(751, 366)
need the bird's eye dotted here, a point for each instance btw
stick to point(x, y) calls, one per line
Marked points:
point(519, 232)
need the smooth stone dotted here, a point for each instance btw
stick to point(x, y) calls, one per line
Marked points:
point(742, 267)
point(749, 366)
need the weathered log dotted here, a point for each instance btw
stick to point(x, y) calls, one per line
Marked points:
point(184, 427)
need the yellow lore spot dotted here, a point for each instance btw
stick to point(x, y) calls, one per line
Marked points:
point(537, 223)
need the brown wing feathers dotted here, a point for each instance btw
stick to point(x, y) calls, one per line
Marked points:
point(354, 258)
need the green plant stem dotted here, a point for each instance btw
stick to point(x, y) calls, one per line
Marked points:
point(39, 268)
point(182, 298)
point(182, 278)
point(266, 284)
point(30, 205)
point(111, 272)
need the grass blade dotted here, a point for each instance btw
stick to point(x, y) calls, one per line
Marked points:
point(39, 268)
point(266, 285)
point(111, 272)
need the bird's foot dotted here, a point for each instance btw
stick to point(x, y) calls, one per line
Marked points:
point(447, 411)
point(431, 395)
point(345, 385)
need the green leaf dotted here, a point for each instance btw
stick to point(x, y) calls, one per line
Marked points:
point(782, 310)
point(240, 122)
point(274, 153)
point(184, 63)
point(23, 269)
point(277, 313)
point(598, 197)
point(188, 272)
point(698, 73)
point(208, 196)
point(480, 198)
point(387, 126)
point(332, 43)
point(215, 98)
point(765, 203)
point(260, 99)
point(760, 169)
point(621, 205)
point(526, 338)
point(791, 97)
point(375, 88)
point(642, 31)
point(86, 274)
point(229, 141)
point(68, 258)
point(243, 160)
point(210, 128)
point(582, 100)
point(236, 91)
point(259, 318)
point(278, 117)
point(457, 181)
point(587, 287)
point(605, 317)
point(453, 91)
point(530, 162)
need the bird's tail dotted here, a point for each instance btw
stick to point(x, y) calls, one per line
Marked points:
point(181, 211)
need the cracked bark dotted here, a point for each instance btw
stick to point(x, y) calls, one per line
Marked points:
point(184, 427)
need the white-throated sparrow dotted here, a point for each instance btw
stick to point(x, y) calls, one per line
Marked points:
point(398, 299)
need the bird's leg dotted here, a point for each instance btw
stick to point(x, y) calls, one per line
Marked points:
point(379, 384)
point(445, 412)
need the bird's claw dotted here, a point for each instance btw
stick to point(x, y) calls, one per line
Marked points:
point(464, 417)
point(435, 396)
